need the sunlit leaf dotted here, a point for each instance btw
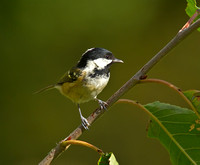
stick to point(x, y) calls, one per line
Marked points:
point(171, 125)
point(108, 159)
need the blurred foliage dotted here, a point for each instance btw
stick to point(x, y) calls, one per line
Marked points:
point(194, 97)
point(40, 40)
point(191, 7)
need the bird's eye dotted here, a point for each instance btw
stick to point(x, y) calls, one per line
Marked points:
point(107, 56)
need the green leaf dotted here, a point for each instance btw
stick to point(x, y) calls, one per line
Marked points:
point(194, 97)
point(177, 130)
point(191, 9)
point(108, 159)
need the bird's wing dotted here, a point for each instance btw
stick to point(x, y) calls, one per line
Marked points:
point(72, 75)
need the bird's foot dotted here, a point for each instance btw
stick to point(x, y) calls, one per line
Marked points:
point(103, 104)
point(85, 123)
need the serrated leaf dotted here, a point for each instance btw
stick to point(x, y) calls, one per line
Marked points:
point(194, 97)
point(171, 125)
point(108, 159)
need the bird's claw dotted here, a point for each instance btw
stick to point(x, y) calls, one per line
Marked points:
point(103, 104)
point(85, 123)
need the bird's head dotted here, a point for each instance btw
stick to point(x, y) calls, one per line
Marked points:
point(97, 58)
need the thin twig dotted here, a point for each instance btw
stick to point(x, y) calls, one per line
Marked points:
point(189, 22)
point(55, 152)
point(178, 90)
point(136, 103)
point(64, 144)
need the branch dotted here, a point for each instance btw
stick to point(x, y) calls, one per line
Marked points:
point(55, 152)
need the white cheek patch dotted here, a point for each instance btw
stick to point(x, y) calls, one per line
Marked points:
point(102, 62)
point(99, 64)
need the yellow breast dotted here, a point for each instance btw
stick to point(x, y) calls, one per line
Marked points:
point(82, 90)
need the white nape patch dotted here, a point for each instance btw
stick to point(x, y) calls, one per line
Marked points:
point(101, 63)
point(88, 51)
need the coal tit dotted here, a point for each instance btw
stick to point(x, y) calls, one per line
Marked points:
point(87, 79)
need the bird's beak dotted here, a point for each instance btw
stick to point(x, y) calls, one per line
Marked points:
point(117, 61)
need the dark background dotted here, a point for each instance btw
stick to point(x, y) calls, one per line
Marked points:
point(42, 39)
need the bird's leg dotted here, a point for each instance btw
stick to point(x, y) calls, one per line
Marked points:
point(85, 123)
point(102, 104)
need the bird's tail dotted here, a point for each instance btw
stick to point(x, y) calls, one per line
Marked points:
point(45, 89)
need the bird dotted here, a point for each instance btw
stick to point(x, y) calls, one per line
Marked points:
point(87, 79)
